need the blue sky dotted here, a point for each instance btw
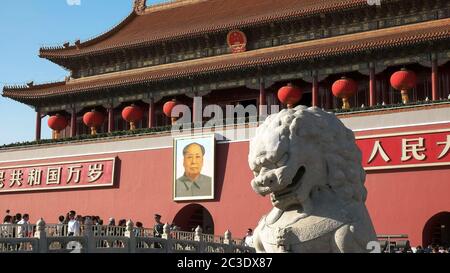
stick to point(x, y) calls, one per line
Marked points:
point(27, 25)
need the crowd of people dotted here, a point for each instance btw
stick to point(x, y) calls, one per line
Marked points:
point(419, 249)
point(19, 226)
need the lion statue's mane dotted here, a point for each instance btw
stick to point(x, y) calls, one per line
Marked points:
point(308, 162)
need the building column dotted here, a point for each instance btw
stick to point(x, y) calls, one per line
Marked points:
point(262, 97)
point(315, 90)
point(372, 86)
point(111, 119)
point(328, 98)
point(434, 77)
point(151, 113)
point(38, 125)
point(73, 123)
point(385, 89)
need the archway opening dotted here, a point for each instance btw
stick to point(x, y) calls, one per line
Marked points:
point(437, 230)
point(193, 215)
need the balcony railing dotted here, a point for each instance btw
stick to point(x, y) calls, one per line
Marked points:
point(54, 238)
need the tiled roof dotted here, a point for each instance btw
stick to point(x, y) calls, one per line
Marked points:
point(438, 30)
point(188, 18)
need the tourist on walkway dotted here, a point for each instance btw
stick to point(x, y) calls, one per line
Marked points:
point(24, 229)
point(248, 239)
point(158, 228)
point(73, 228)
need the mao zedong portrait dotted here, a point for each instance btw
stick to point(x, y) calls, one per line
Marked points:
point(193, 182)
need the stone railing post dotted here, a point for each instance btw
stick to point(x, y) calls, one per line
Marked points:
point(88, 234)
point(198, 238)
point(41, 234)
point(227, 240)
point(167, 237)
point(129, 233)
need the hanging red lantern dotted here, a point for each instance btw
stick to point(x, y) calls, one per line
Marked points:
point(290, 95)
point(344, 88)
point(132, 114)
point(93, 119)
point(167, 109)
point(404, 80)
point(57, 123)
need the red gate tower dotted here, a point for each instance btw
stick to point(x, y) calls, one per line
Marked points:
point(238, 53)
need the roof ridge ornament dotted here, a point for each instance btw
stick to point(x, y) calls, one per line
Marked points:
point(78, 44)
point(139, 6)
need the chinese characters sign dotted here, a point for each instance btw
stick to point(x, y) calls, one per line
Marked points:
point(57, 176)
point(405, 150)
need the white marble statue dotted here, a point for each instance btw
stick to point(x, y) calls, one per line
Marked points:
point(308, 162)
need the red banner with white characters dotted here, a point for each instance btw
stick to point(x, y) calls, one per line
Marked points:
point(405, 150)
point(57, 176)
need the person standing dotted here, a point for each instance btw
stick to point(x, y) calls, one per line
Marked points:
point(248, 240)
point(73, 227)
point(158, 228)
point(61, 227)
point(24, 228)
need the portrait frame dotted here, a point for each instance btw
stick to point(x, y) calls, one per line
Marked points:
point(208, 142)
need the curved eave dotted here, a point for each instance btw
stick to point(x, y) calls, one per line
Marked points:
point(396, 37)
point(50, 52)
point(88, 48)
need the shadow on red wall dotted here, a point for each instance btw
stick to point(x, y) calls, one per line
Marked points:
point(193, 215)
point(437, 230)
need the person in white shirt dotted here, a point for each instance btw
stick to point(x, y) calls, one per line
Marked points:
point(24, 228)
point(248, 240)
point(7, 227)
point(61, 227)
point(73, 228)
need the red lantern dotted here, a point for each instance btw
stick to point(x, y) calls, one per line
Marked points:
point(93, 120)
point(168, 107)
point(344, 88)
point(132, 114)
point(57, 123)
point(290, 95)
point(404, 80)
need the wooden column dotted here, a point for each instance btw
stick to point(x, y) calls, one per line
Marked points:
point(434, 78)
point(262, 97)
point(385, 89)
point(151, 113)
point(73, 123)
point(111, 119)
point(328, 99)
point(372, 86)
point(38, 125)
point(315, 90)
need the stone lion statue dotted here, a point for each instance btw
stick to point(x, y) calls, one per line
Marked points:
point(308, 162)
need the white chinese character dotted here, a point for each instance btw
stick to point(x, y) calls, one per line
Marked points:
point(35, 177)
point(377, 148)
point(74, 170)
point(2, 179)
point(446, 148)
point(54, 176)
point(413, 148)
point(16, 177)
point(95, 172)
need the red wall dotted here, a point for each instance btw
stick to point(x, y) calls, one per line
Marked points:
point(145, 188)
point(399, 201)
